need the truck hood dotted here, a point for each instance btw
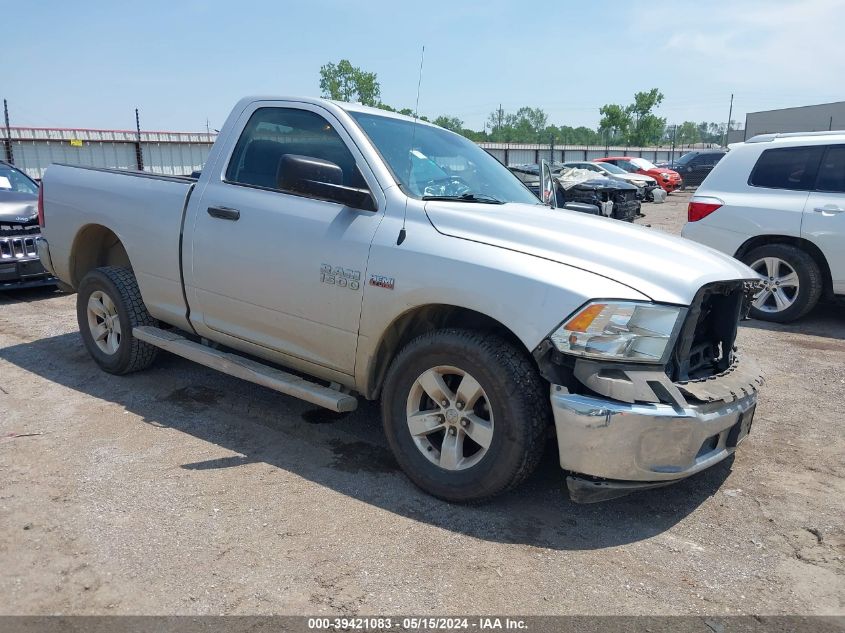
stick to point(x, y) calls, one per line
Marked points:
point(665, 268)
point(17, 208)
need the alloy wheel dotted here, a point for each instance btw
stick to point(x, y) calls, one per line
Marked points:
point(450, 418)
point(780, 284)
point(104, 322)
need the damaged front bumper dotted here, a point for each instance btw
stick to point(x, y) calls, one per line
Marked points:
point(616, 444)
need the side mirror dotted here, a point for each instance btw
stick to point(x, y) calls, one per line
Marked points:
point(318, 178)
point(548, 195)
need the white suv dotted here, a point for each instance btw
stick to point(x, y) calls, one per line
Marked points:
point(777, 202)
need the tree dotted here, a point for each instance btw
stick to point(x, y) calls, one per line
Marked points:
point(688, 133)
point(526, 125)
point(530, 122)
point(345, 82)
point(450, 123)
point(578, 136)
point(647, 128)
point(615, 121)
point(635, 124)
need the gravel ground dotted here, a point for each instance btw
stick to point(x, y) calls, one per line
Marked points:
point(181, 490)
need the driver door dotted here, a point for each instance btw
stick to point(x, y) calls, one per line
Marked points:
point(281, 271)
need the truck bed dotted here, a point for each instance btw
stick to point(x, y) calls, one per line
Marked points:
point(144, 210)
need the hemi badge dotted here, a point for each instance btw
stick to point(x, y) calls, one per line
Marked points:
point(379, 281)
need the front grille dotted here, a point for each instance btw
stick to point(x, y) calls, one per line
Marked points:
point(17, 248)
point(19, 229)
point(705, 346)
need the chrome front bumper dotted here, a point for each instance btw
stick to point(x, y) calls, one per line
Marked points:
point(646, 445)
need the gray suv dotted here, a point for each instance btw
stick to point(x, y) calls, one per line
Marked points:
point(19, 263)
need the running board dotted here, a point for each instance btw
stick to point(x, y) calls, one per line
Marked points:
point(247, 369)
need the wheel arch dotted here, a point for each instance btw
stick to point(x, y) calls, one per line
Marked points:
point(799, 242)
point(419, 320)
point(94, 246)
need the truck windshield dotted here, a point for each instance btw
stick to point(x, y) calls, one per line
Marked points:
point(432, 163)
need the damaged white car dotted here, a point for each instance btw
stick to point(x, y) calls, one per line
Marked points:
point(649, 189)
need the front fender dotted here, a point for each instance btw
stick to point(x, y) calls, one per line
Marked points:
point(528, 295)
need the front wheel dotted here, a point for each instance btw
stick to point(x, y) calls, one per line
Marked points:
point(465, 414)
point(108, 306)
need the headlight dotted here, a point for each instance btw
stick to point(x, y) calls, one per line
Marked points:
point(664, 175)
point(618, 330)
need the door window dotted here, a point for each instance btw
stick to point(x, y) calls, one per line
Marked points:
point(832, 170)
point(274, 132)
point(787, 168)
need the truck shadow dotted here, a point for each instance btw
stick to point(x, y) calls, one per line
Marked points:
point(827, 320)
point(28, 295)
point(348, 454)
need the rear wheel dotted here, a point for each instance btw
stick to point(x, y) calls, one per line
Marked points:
point(465, 414)
point(108, 306)
point(792, 282)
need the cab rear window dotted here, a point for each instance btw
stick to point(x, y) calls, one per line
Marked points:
point(787, 168)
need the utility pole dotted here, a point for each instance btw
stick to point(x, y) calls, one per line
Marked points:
point(10, 156)
point(139, 154)
point(674, 134)
point(728, 127)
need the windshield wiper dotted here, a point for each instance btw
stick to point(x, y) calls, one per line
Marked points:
point(483, 198)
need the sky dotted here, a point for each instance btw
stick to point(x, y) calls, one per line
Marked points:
point(184, 63)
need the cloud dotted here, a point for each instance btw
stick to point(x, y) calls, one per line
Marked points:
point(765, 47)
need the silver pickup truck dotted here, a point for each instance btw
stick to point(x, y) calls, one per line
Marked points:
point(334, 252)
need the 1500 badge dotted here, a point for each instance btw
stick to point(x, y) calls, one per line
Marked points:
point(339, 276)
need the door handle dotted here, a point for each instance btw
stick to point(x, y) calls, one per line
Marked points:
point(224, 213)
point(829, 208)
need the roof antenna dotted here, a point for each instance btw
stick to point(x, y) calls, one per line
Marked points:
point(402, 232)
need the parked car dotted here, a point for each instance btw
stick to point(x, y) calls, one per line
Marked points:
point(19, 263)
point(694, 166)
point(647, 187)
point(585, 191)
point(668, 179)
point(777, 202)
point(383, 257)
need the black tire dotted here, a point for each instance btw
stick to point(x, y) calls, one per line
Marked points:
point(810, 281)
point(518, 399)
point(122, 288)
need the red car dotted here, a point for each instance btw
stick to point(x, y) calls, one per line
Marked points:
point(668, 179)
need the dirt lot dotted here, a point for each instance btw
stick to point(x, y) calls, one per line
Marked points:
point(180, 490)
